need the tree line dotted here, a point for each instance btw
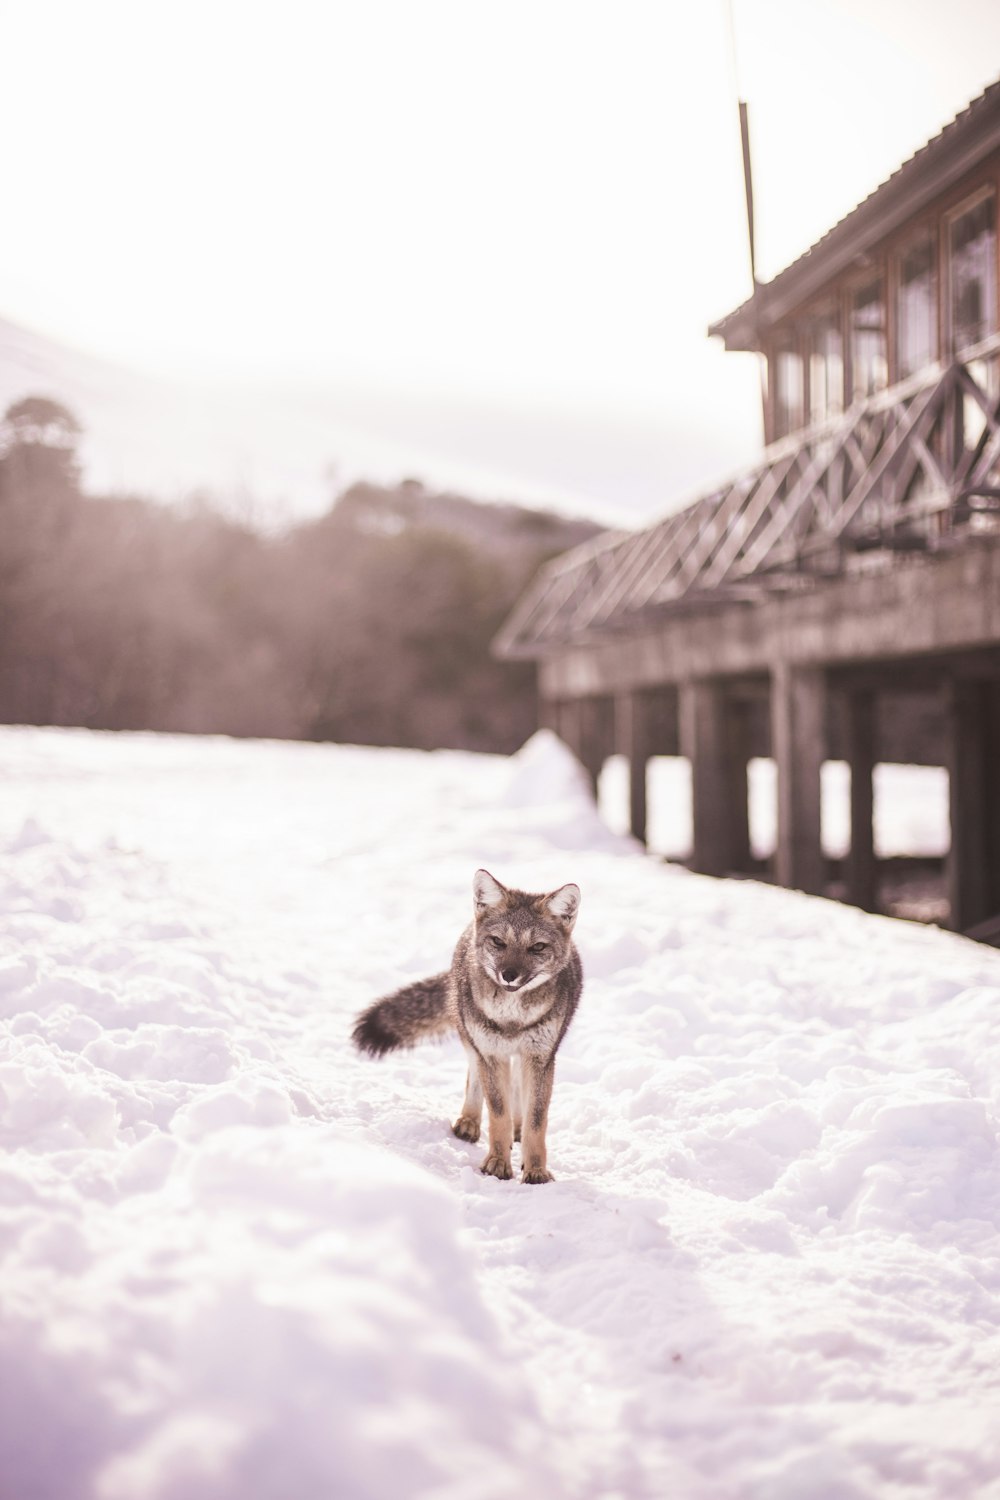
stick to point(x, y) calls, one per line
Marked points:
point(371, 625)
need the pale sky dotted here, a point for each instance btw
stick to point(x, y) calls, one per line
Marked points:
point(535, 206)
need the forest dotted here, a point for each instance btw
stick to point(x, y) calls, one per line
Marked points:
point(371, 625)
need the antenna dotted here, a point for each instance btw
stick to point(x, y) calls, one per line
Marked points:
point(751, 235)
point(744, 141)
point(748, 188)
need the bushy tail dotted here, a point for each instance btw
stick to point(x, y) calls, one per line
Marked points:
point(413, 1014)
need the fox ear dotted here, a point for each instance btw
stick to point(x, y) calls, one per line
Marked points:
point(564, 903)
point(487, 891)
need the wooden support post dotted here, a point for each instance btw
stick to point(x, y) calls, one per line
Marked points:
point(569, 724)
point(548, 714)
point(713, 738)
point(861, 872)
point(592, 736)
point(991, 796)
point(738, 727)
point(632, 741)
point(798, 743)
point(973, 867)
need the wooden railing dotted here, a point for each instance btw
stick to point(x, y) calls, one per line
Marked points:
point(913, 468)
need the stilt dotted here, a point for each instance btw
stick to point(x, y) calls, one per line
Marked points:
point(548, 714)
point(859, 737)
point(798, 701)
point(585, 725)
point(569, 724)
point(973, 865)
point(713, 738)
point(595, 736)
point(632, 741)
point(736, 725)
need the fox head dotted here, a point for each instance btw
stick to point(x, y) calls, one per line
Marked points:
point(522, 940)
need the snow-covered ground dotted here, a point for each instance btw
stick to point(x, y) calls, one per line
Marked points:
point(239, 1262)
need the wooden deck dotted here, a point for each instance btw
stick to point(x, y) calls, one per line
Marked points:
point(915, 468)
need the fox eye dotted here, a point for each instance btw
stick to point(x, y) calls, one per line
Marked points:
point(496, 942)
point(539, 948)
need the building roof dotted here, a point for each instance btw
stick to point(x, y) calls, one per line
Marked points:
point(954, 151)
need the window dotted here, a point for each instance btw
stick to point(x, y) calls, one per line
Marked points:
point(869, 366)
point(916, 305)
point(788, 390)
point(972, 273)
point(825, 361)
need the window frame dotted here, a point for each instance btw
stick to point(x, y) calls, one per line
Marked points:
point(828, 310)
point(929, 230)
point(787, 341)
point(965, 205)
point(876, 270)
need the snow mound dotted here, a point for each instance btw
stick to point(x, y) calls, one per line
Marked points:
point(545, 771)
point(547, 789)
point(255, 1312)
point(31, 834)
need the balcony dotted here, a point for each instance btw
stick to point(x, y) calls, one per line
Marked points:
point(915, 468)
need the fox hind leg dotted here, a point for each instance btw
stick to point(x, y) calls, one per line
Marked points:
point(469, 1123)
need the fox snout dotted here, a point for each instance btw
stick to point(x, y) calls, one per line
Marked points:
point(515, 979)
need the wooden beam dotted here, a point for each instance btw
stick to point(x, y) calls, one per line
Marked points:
point(798, 744)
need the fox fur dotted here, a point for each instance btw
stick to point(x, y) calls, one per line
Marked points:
point(511, 992)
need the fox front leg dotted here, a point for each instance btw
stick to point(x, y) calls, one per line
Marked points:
point(495, 1077)
point(516, 1096)
point(469, 1123)
point(537, 1078)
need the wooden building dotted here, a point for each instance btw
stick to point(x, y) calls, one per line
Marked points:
point(840, 598)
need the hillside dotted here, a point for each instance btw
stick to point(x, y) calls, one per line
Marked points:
point(372, 625)
point(515, 535)
point(278, 452)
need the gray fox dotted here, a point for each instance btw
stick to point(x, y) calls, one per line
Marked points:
point(511, 991)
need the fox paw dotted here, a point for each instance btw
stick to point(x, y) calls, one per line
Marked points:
point(466, 1128)
point(497, 1165)
point(536, 1174)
